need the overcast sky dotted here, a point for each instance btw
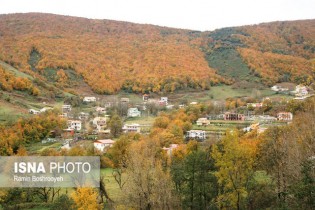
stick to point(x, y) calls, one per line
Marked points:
point(188, 14)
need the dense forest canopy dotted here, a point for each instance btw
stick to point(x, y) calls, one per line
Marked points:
point(111, 56)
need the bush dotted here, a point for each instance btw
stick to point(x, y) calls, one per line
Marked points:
point(63, 202)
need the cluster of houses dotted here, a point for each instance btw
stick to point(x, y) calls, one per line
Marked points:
point(300, 92)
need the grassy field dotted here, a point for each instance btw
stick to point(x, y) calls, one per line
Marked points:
point(15, 71)
point(38, 147)
point(111, 185)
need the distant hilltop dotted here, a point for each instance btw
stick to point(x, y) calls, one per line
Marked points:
point(109, 56)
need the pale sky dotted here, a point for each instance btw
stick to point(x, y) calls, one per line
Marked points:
point(188, 14)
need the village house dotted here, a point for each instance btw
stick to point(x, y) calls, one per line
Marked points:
point(300, 91)
point(124, 100)
point(194, 103)
point(145, 97)
point(133, 112)
point(254, 105)
point(104, 144)
point(203, 122)
point(33, 111)
point(89, 99)
point(100, 110)
point(170, 149)
point(45, 109)
point(127, 128)
point(108, 104)
point(196, 134)
point(66, 108)
point(74, 124)
point(278, 88)
point(163, 101)
point(83, 116)
point(99, 123)
point(234, 116)
point(285, 116)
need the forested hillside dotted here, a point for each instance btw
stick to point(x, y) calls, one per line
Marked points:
point(111, 56)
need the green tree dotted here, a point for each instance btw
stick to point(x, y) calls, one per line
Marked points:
point(195, 181)
point(115, 125)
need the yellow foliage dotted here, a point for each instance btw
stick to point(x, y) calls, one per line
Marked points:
point(85, 199)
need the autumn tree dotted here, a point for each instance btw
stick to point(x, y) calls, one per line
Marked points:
point(149, 185)
point(85, 199)
point(234, 160)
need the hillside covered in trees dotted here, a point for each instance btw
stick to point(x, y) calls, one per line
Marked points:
point(111, 56)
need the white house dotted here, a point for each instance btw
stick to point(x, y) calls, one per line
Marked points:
point(285, 116)
point(255, 105)
point(163, 101)
point(203, 121)
point(278, 88)
point(75, 124)
point(100, 110)
point(45, 109)
point(33, 111)
point(196, 134)
point(131, 128)
point(300, 90)
point(89, 99)
point(133, 112)
point(124, 100)
point(83, 115)
point(99, 123)
point(101, 145)
point(194, 103)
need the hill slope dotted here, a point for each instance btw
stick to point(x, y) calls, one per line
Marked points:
point(110, 56)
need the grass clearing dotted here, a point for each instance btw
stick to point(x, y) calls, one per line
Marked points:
point(111, 185)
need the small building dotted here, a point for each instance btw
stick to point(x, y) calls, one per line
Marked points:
point(66, 108)
point(234, 116)
point(45, 109)
point(163, 101)
point(104, 144)
point(254, 105)
point(196, 134)
point(145, 97)
point(300, 91)
point(203, 122)
point(99, 123)
point(33, 111)
point(133, 112)
point(170, 149)
point(194, 103)
point(89, 99)
point(278, 88)
point(285, 116)
point(127, 128)
point(83, 116)
point(124, 100)
point(75, 124)
point(100, 110)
